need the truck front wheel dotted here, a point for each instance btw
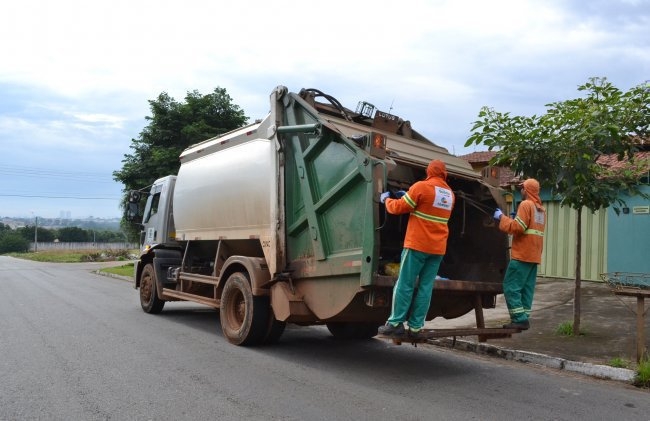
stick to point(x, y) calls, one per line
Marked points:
point(244, 318)
point(148, 297)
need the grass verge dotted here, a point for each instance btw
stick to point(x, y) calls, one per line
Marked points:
point(619, 362)
point(75, 256)
point(125, 270)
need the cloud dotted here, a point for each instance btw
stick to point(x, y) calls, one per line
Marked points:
point(77, 75)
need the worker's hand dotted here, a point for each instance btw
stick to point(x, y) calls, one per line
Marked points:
point(399, 194)
point(383, 196)
point(497, 214)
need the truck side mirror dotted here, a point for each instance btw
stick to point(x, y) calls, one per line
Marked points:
point(132, 212)
point(134, 196)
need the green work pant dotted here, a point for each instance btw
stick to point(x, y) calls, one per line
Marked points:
point(519, 288)
point(422, 268)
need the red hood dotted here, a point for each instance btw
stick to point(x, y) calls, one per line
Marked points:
point(531, 187)
point(437, 169)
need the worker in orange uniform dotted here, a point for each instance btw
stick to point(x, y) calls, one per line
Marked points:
point(527, 230)
point(429, 203)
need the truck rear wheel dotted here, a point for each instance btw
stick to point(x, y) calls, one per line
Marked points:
point(348, 330)
point(148, 297)
point(244, 317)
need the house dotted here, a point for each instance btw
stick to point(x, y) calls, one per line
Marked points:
point(610, 242)
point(628, 232)
point(496, 176)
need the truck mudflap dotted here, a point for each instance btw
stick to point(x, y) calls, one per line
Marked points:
point(287, 302)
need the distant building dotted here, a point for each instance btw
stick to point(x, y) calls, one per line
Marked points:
point(496, 176)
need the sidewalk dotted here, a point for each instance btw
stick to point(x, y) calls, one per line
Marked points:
point(608, 327)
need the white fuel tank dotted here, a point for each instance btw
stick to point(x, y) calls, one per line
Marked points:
point(227, 193)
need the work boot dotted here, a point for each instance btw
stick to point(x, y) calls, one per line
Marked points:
point(415, 334)
point(390, 329)
point(518, 325)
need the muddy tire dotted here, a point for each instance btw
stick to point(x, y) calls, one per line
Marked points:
point(352, 331)
point(148, 296)
point(244, 318)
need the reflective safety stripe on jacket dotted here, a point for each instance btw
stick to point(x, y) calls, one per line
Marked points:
point(527, 230)
point(429, 203)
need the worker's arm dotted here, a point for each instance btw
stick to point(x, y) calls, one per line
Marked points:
point(520, 222)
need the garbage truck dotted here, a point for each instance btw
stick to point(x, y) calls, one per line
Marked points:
point(280, 222)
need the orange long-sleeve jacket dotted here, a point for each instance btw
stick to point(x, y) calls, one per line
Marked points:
point(527, 229)
point(429, 203)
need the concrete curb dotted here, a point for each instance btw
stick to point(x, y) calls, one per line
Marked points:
point(112, 275)
point(594, 370)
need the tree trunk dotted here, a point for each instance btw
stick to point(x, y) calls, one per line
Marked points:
point(576, 294)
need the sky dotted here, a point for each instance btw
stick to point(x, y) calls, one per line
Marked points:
point(76, 76)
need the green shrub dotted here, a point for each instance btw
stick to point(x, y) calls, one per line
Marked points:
point(13, 243)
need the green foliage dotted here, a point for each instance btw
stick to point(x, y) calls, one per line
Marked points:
point(126, 270)
point(173, 126)
point(561, 147)
point(44, 235)
point(76, 256)
point(619, 362)
point(642, 378)
point(74, 235)
point(66, 234)
point(12, 242)
point(564, 329)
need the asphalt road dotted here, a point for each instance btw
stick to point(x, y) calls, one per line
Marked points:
point(76, 346)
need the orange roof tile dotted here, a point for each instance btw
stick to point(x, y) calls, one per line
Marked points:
point(478, 157)
point(612, 162)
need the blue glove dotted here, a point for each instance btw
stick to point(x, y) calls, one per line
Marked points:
point(497, 214)
point(399, 194)
point(383, 196)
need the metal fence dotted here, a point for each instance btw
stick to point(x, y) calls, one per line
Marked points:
point(81, 246)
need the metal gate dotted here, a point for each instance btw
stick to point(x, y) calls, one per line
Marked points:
point(558, 258)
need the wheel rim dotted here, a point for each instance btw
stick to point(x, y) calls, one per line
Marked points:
point(146, 288)
point(236, 310)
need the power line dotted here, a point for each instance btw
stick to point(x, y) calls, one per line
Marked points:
point(52, 173)
point(60, 197)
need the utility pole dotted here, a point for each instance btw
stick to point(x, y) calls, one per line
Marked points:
point(35, 233)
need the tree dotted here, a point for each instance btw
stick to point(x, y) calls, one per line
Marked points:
point(11, 241)
point(173, 126)
point(561, 149)
point(74, 235)
point(43, 235)
point(4, 228)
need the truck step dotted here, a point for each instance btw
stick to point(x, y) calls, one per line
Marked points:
point(429, 334)
point(183, 296)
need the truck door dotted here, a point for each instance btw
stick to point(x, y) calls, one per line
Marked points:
point(157, 222)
